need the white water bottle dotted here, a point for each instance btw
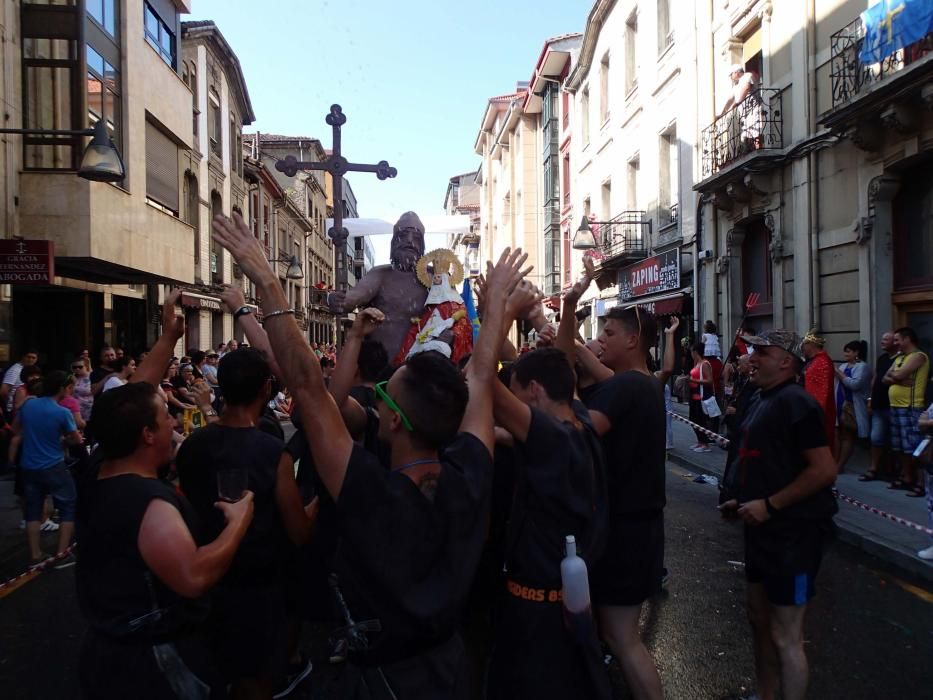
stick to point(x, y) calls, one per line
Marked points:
point(575, 587)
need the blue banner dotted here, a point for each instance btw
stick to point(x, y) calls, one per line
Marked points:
point(467, 295)
point(891, 25)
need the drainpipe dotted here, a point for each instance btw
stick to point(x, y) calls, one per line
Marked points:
point(813, 175)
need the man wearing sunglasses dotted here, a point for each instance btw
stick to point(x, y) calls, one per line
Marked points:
point(410, 538)
point(784, 475)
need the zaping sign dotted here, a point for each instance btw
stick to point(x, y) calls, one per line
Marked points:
point(26, 262)
point(660, 273)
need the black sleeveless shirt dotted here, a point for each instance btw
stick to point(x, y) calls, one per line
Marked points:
point(118, 594)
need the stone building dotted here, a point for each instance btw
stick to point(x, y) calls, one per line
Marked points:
point(213, 174)
point(65, 67)
point(462, 198)
point(816, 186)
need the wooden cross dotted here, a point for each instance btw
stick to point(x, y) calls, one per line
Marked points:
point(337, 166)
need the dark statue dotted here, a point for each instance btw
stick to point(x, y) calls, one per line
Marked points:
point(394, 289)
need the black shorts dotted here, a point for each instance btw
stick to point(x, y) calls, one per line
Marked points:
point(250, 631)
point(786, 564)
point(630, 569)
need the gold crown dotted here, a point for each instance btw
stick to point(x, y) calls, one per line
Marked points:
point(442, 260)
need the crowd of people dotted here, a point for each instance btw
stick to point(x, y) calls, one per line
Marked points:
point(419, 511)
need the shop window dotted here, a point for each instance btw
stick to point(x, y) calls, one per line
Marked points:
point(913, 232)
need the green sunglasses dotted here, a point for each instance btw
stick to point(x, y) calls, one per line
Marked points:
point(381, 393)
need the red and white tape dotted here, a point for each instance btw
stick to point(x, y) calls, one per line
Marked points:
point(720, 440)
point(724, 442)
point(33, 570)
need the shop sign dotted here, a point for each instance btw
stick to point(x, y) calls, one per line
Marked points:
point(199, 302)
point(27, 262)
point(659, 273)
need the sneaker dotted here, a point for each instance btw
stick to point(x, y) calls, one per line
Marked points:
point(49, 526)
point(702, 448)
point(295, 674)
point(338, 652)
point(65, 562)
point(926, 554)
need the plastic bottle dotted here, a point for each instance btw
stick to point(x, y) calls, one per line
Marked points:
point(575, 585)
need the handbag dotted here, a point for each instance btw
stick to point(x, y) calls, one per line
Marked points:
point(711, 407)
point(848, 421)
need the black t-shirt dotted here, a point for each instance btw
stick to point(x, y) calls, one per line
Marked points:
point(366, 397)
point(404, 559)
point(100, 373)
point(560, 490)
point(635, 446)
point(214, 447)
point(779, 425)
point(879, 390)
point(117, 592)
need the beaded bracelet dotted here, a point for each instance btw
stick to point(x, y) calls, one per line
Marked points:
point(280, 312)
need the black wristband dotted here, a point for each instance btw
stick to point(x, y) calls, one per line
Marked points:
point(242, 311)
point(772, 511)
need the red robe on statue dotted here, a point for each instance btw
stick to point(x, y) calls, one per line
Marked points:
point(818, 378)
point(462, 343)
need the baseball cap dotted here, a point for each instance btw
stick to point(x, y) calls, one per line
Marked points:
point(778, 338)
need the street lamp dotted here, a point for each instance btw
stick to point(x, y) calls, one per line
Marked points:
point(101, 161)
point(584, 238)
point(294, 271)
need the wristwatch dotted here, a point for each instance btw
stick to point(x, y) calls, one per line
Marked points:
point(242, 311)
point(210, 413)
point(772, 511)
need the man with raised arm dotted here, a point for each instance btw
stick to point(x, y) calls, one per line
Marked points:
point(410, 537)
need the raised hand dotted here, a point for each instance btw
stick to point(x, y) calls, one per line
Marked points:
point(505, 275)
point(480, 287)
point(232, 298)
point(172, 325)
point(367, 321)
point(522, 300)
point(234, 235)
point(578, 289)
point(675, 324)
point(547, 335)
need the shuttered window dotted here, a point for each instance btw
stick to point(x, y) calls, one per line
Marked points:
point(161, 168)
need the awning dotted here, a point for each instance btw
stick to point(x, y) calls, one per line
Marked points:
point(662, 304)
point(200, 301)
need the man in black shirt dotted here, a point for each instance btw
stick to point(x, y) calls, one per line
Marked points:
point(560, 491)
point(784, 475)
point(410, 537)
point(880, 408)
point(249, 602)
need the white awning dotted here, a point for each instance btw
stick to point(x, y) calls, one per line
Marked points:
point(442, 225)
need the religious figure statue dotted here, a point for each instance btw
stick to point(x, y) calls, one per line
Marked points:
point(819, 374)
point(394, 289)
point(443, 326)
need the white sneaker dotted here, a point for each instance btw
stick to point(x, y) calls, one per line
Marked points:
point(926, 553)
point(702, 448)
point(49, 526)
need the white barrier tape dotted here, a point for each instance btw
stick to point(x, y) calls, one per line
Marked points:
point(720, 440)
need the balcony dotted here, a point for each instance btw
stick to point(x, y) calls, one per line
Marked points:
point(866, 96)
point(358, 257)
point(624, 237)
point(754, 126)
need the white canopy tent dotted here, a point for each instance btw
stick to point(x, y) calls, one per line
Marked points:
point(439, 225)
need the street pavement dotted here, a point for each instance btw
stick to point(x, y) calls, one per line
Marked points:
point(869, 632)
point(892, 542)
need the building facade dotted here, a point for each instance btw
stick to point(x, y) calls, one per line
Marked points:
point(816, 186)
point(631, 156)
point(67, 66)
point(462, 198)
point(213, 175)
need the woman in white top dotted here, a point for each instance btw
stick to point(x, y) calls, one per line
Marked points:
point(710, 340)
point(123, 369)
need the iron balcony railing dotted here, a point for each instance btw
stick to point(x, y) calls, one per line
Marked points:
point(624, 235)
point(850, 77)
point(756, 123)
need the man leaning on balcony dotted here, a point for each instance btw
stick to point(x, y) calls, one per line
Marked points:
point(743, 130)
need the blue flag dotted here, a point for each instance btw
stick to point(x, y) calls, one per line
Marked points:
point(467, 295)
point(891, 25)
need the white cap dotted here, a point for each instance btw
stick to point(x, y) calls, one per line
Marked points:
point(736, 68)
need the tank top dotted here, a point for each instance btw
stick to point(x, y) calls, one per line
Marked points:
point(698, 391)
point(913, 395)
point(117, 592)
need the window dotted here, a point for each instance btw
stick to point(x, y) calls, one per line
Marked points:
point(604, 90)
point(104, 12)
point(913, 232)
point(214, 128)
point(585, 116)
point(217, 253)
point(103, 97)
point(631, 53)
point(233, 142)
point(756, 267)
point(159, 36)
point(161, 168)
point(669, 180)
point(607, 200)
point(665, 33)
point(193, 215)
point(191, 80)
point(566, 257)
point(565, 177)
point(565, 108)
point(631, 195)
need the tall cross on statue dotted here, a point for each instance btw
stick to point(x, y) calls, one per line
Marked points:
point(337, 166)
